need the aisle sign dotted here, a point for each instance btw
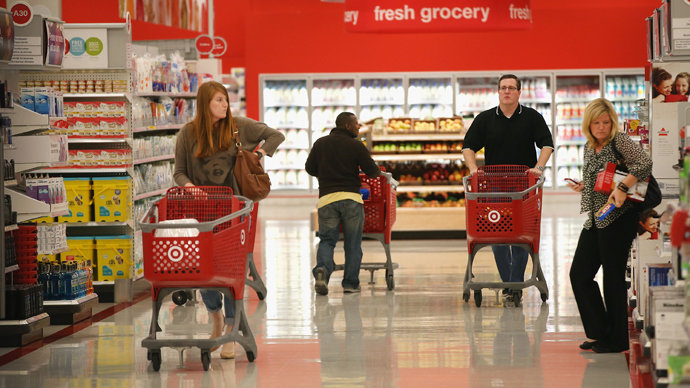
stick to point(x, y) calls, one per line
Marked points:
point(436, 15)
point(87, 48)
point(21, 13)
point(204, 44)
point(55, 39)
point(219, 46)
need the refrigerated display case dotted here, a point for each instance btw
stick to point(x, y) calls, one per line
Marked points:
point(573, 92)
point(426, 146)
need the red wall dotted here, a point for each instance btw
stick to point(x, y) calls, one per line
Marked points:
point(305, 36)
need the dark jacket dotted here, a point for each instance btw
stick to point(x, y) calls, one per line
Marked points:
point(336, 160)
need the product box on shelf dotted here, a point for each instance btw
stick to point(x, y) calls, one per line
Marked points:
point(81, 249)
point(114, 257)
point(111, 198)
point(79, 200)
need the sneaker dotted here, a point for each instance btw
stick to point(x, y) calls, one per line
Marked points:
point(320, 285)
point(351, 290)
point(507, 299)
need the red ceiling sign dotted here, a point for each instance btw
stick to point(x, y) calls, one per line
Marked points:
point(21, 13)
point(204, 44)
point(436, 15)
point(219, 46)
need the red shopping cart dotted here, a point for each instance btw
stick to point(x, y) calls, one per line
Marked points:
point(210, 254)
point(379, 217)
point(504, 205)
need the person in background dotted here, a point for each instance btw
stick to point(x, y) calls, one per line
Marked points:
point(605, 243)
point(648, 227)
point(205, 156)
point(509, 133)
point(661, 84)
point(681, 86)
point(335, 160)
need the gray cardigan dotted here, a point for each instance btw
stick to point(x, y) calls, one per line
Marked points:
point(216, 170)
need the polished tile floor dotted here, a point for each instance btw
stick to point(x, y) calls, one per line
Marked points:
point(420, 335)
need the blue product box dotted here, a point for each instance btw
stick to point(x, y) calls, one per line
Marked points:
point(42, 100)
point(27, 98)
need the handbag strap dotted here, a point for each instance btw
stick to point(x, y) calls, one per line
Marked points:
point(616, 152)
point(236, 135)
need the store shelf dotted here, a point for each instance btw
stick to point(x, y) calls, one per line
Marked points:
point(30, 121)
point(28, 208)
point(165, 94)
point(67, 312)
point(8, 147)
point(6, 110)
point(98, 140)
point(104, 283)
point(68, 170)
point(10, 228)
point(420, 137)
point(10, 182)
point(546, 100)
point(150, 194)
point(11, 268)
point(37, 319)
point(97, 95)
point(566, 100)
point(154, 159)
point(94, 224)
point(70, 302)
point(152, 128)
point(569, 122)
point(429, 189)
point(403, 157)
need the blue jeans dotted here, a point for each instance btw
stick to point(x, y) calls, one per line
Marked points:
point(511, 262)
point(351, 215)
point(214, 302)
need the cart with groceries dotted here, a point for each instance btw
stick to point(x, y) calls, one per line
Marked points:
point(197, 237)
point(503, 207)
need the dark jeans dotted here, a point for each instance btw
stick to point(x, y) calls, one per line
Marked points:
point(604, 319)
point(214, 302)
point(351, 215)
point(511, 262)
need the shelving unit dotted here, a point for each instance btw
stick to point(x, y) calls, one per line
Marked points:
point(68, 312)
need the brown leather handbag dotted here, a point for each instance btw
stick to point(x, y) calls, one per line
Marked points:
point(251, 178)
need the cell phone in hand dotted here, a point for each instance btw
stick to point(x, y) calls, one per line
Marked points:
point(573, 181)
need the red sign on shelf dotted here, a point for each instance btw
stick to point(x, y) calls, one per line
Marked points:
point(220, 46)
point(436, 15)
point(21, 13)
point(204, 44)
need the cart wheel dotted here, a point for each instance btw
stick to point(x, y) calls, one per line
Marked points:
point(466, 296)
point(148, 355)
point(250, 356)
point(205, 359)
point(544, 297)
point(517, 298)
point(390, 282)
point(179, 297)
point(156, 360)
point(478, 298)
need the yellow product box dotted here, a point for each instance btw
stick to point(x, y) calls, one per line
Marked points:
point(80, 249)
point(79, 200)
point(114, 257)
point(45, 258)
point(111, 198)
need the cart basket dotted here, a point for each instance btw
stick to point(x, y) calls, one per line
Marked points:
point(215, 257)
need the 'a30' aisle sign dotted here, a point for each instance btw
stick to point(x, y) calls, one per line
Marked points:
point(436, 15)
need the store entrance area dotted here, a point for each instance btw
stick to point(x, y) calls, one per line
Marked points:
point(422, 334)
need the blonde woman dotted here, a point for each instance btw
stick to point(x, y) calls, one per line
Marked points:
point(205, 156)
point(605, 243)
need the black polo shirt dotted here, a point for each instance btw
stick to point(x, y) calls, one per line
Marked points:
point(509, 140)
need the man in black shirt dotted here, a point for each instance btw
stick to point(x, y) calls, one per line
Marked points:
point(336, 160)
point(509, 133)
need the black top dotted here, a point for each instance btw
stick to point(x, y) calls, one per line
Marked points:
point(336, 160)
point(509, 140)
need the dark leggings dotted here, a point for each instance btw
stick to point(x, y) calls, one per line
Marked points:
point(604, 319)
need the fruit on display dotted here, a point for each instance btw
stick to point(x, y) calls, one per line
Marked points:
point(399, 125)
point(450, 124)
point(409, 147)
point(384, 148)
point(425, 126)
point(422, 173)
point(430, 200)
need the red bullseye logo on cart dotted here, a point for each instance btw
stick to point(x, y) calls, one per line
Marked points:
point(242, 237)
point(494, 216)
point(175, 254)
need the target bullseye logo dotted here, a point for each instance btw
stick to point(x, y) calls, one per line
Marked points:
point(494, 216)
point(242, 237)
point(175, 254)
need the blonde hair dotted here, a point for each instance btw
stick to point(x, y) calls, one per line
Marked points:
point(211, 138)
point(593, 110)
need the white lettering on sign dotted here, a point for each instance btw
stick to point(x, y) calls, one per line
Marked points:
point(351, 17)
point(520, 13)
point(405, 13)
point(431, 14)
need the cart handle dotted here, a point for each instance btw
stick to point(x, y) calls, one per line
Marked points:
point(513, 195)
point(201, 226)
point(390, 179)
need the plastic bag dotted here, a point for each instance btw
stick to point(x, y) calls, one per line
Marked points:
point(178, 232)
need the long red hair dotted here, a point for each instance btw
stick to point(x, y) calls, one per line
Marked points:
point(212, 138)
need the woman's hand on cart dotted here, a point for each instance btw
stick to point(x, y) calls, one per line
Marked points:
point(194, 191)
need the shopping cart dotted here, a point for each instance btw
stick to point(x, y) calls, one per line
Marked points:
point(213, 256)
point(379, 217)
point(504, 205)
point(253, 279)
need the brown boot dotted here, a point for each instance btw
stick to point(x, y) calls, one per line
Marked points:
point(217, 318)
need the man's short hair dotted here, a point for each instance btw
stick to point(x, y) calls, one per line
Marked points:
point(344, 119)
point(510, 76)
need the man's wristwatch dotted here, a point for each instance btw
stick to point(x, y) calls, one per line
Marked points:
point(540, 168)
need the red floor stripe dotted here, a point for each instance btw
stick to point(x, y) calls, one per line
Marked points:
point(72, 329)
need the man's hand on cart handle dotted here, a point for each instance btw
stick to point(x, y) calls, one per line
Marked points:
point(536, 171)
